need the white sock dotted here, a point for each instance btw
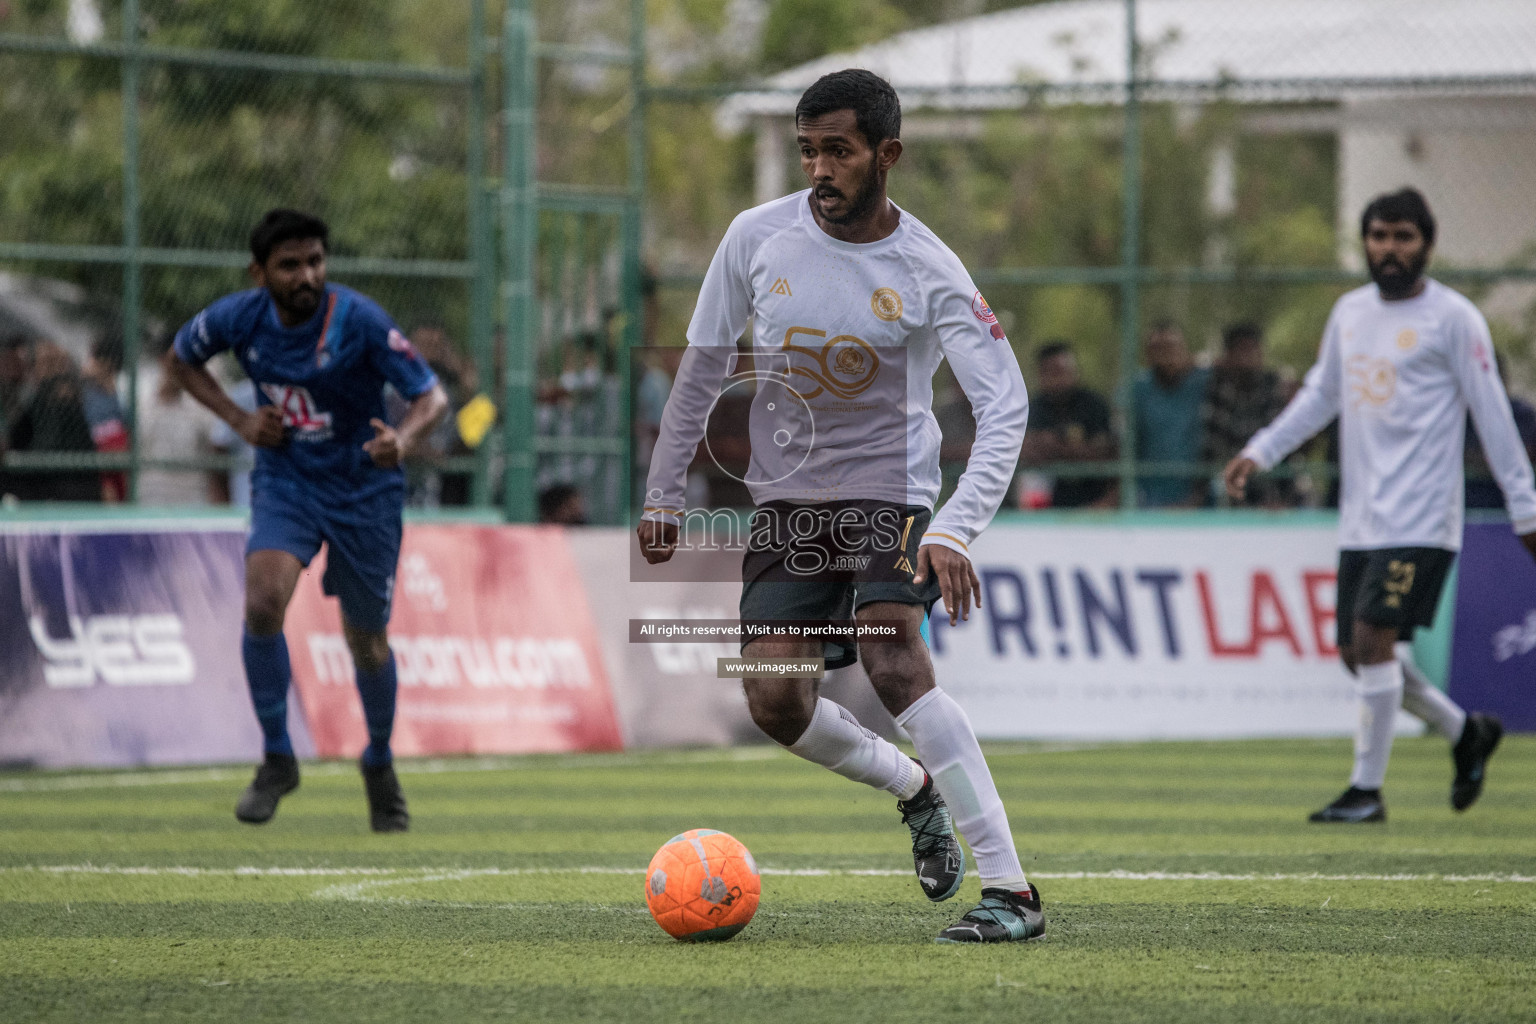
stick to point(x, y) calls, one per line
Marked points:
point(836, 740)
point(1380, 688)
point(1425, 701)
point(947, 745)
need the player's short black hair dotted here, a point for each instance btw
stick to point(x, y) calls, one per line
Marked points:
point(1050, 350)
point(1236, 334)
point(1404, 204)
point(283, 225)
point(875, 107)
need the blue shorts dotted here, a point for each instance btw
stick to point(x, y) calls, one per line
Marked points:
point(361, 550)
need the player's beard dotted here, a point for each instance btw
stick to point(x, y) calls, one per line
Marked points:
point(300, 304)
point(864, 199)
point(1404, 278)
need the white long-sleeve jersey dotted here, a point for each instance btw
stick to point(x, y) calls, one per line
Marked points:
point(846, 339)
point(1401, 376)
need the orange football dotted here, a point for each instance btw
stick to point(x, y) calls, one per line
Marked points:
point(702, 886)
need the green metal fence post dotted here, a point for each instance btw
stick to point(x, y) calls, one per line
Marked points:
point(482, 252)
point(1130, 258)
point(519, 241)
point(133, 267)
point(634, 208)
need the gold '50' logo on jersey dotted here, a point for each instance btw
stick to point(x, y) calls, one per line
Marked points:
point(844, 366)
point(1371, 381)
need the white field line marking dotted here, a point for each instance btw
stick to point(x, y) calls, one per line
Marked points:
point(436, 766)
point(406, 875)
point(440, 766)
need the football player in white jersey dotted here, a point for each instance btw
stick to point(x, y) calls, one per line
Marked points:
point(1403, 361)
point(853, 304)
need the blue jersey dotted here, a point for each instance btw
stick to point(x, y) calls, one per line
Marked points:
point(326, 375)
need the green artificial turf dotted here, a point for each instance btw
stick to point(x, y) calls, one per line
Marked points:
point(1181, 883)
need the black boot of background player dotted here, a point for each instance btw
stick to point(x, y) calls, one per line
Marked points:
point(386, 800)
point(276, 777)
point(1354, 806)
point(1479, 737)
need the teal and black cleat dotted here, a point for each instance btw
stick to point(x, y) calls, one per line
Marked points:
point(1478, 739)
point(1354, 807)
point(1001, 916)
point(936, 853)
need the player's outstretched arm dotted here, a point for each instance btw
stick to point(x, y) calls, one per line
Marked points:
point(1313, 408)
point(262, 428)
point(391, 444)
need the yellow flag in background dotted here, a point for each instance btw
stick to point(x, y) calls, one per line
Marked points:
point(475, 420)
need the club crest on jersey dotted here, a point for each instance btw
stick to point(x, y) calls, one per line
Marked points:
point(886, 304)
point(1407, 338)
point(849, 362)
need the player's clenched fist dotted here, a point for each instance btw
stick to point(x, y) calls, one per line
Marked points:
point(263, 428)
point(657, 540)
point(384, 448)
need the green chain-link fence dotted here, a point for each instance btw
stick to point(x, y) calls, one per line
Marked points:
point(1106, 165)
point(145, 138)
point(484, 167)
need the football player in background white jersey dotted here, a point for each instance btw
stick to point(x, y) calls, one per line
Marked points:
point(1403, 361)
point(854, 303)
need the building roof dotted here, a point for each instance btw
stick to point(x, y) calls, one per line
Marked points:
point(1254, 50)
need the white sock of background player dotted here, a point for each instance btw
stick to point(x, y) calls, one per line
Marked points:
point(1425, 701)
point(1380, 689)
point(837, 741)
point(947, 745)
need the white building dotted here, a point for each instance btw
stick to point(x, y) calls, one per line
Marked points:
point(1439, 94)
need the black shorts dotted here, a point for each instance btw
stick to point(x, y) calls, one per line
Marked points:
point(1396, 587)
point(822, 562)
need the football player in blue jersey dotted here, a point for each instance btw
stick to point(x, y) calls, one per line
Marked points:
point(327, 471)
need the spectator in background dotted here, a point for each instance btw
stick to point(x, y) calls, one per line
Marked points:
point(15, 370)
point(1167, 398)
point(48, 418)
point(562, 504)
point(173, 428)
point(104, 411)
point(957, 429)
point(430, 486)
point(1241, 398)
point(1481, 489)
point(1068, 423)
